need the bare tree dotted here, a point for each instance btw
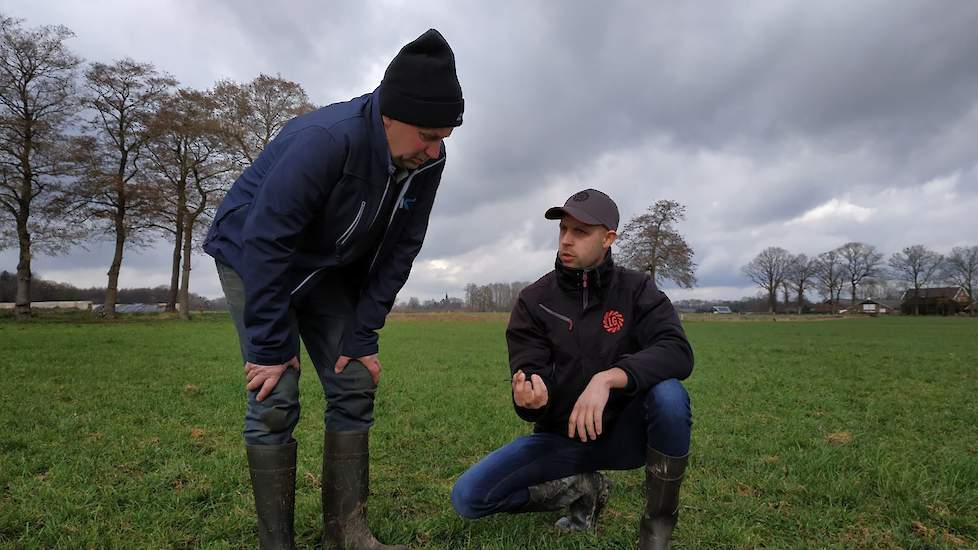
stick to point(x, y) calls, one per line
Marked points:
point(253, 113)
point(916, 265)
point(768, 270)
point(651, 243)
point(112, 193)
point(829, 276)
point(185, 156)
point(801, 271)
point(961, 269)
point(859, 261)
point(210, 165)
point(37, 99)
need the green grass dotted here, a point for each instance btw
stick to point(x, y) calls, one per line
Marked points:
point(126, 434)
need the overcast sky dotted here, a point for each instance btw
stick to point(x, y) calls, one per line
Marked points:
point(795, 124)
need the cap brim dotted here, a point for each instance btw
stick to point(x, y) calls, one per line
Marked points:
point(558, 212)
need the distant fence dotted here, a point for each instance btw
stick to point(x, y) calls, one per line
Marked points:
point(67, 304)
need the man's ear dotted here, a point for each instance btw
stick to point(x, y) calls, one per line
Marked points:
point(386, 120)
point(609, 238)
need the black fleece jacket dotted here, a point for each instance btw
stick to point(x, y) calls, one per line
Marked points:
point(571, 324)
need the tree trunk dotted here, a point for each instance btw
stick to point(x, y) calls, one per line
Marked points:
point(772, 300)
point(171, 297)
point(171, 301)
point(853, 303)
point(188, 237)
point(23, 300)
point(112, 290)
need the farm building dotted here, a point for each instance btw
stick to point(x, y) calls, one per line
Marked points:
point(832, 306)
point(877, 307)
point(947, 300)
point(721, 310)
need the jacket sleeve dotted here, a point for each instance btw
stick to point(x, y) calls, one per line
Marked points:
point(291, 194)
point(529, 351)
point(389, 275)
point(665, 352)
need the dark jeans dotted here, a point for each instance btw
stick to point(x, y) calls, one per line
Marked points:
point(662, 419)
point(320, 321)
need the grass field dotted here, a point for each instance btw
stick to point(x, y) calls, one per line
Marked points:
point(842, 433)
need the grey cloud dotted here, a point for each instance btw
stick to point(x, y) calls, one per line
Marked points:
point(751, 114)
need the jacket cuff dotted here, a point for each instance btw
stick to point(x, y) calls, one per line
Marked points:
point(270, 356)
point(631, 388)
point(360, 343)
point(530, 415)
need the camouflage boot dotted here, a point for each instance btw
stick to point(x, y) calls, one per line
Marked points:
point(584, 494)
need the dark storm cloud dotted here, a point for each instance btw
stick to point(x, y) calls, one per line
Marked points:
point(796, 124)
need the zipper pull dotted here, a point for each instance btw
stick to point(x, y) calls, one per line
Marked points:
point(584, 275)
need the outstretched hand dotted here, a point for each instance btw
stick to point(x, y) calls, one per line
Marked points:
point(529, 393)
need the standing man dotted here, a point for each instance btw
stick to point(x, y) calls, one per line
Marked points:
point(314, 240)
point(596, 353)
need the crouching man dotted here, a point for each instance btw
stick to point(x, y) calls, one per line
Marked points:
point(596, 353)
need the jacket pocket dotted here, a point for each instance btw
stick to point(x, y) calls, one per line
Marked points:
point(349, 230)
point(564, 318)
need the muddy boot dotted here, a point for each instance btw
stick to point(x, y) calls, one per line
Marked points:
point(273, 482)
point(663, 476)
point(345, 490)
point(584, 494)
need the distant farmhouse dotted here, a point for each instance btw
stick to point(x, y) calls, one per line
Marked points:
point(878, 307)
point(948, 300)
point(721, 310)
point(869, 306)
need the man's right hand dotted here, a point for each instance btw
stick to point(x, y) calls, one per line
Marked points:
point(529, 394)
point(266, 376)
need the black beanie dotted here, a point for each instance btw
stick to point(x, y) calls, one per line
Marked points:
point(420, 86)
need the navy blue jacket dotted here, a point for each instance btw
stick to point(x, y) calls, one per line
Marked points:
point(307, 205)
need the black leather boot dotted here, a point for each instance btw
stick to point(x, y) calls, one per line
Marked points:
point(345, 491)
point(663, 477)
point(273, 482)
point(584, 494)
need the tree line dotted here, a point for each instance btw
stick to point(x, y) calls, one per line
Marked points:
point(53, 291)
point(119, 151)
point(860, 269)
point(649, 242)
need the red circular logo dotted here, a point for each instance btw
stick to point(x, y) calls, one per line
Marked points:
point(613, 321)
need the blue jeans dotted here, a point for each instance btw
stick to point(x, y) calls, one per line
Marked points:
point(662, 419)
point(320, 320)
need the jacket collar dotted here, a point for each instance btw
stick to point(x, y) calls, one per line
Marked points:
point(596, 278)
point(378, 137)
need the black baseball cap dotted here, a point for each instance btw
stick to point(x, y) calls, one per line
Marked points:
point(589, 206)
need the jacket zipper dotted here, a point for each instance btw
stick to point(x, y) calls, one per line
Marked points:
point(400, 198)
point(584, 291)
point(349, 230)
point(382, 197)
point(566, 319)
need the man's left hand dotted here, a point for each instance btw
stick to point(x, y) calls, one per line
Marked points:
point(370, 361)
point(585, 419)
